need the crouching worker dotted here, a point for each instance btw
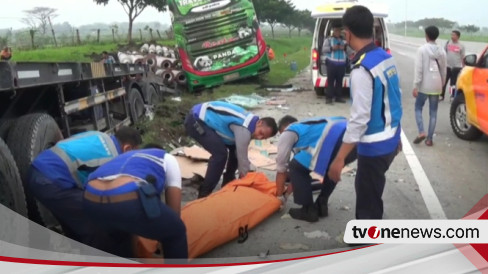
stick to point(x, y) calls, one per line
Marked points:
point(125, 195)
point(314, 142)
point(58, 176)
point(225, 130)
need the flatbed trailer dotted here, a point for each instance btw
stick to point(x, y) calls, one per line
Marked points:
point(42, 103)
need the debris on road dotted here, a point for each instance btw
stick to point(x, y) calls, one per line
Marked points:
point(346, 208)
point(286, 216)
point(317, 235)
point(288, 246)
point(196, 153)
point(176, 99)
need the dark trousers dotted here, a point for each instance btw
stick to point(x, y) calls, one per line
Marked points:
point(130, 217)
point(66, 206)
point(222, 155)
point(302, 181)
point(369, 184)
point(335, 77)
point(451, 78)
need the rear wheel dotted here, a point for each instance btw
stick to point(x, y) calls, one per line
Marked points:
point(136, 105)
point(459, 120)
point(152, 97)
point(30, 135)
point(11, 189)
point(5, 125)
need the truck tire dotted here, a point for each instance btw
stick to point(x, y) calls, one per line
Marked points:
point(152, 97)
point(319, 91)
point(459, 120)
point(11, 189)
point(5, 125)
point(136, 105)
point(30, 135)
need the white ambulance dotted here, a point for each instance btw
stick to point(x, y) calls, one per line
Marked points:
point(329, 15)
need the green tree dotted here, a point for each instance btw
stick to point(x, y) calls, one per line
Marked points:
point(292, 20)
point(438, 22)
point(134, 8)
point(305, 21)
point(272, 12)
point(470, 28)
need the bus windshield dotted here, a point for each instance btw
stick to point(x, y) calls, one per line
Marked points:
point(214, 35)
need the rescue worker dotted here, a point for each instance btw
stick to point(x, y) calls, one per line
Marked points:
point(58, 176)
point(124, 195)
point(376, 112)
point(225, 130)
point(271, 53)
point(314, 142)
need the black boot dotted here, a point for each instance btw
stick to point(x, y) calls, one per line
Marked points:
point(306, 213)
point(322, 207)
point(202, 193)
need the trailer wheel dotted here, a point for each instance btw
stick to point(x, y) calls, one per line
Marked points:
point(31, 135)
point(5, 125)
point(11, 189)
point(136, 105)
point(152, 97)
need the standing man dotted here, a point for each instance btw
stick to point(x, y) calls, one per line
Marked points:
point(430, 74)
point(107, 59)
point(124, 195)
point(59, 175)
point(374, 126)
point(455, 55)
point(225, 130)
point(334, 50)
point(314, 142)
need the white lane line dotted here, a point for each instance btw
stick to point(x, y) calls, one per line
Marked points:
point(428, 194)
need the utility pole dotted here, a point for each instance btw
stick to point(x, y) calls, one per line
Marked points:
point(406, 7)
point(52, 30)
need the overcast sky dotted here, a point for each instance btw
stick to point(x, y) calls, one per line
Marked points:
point(82, 12)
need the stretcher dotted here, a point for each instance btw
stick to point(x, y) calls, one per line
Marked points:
point(226, 215)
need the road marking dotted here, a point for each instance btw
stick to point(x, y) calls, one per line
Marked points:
point(428, 194)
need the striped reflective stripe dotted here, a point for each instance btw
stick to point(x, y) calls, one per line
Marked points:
point(25, 74)
point(248, 120)
point(388, 133)
point(90, 101)
point(74, 165)
point(98, 70)
point(322, 141)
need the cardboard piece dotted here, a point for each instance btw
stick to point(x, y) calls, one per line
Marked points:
point(276, 102)
point(259, 160)
point(264, 145)
point(196, 153)
point(318, 177)
point(189, 168)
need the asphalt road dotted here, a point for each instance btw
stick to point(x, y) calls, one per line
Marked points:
point(443, 181)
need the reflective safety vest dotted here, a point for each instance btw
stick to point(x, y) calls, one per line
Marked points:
point(70, 161)
point(220, 115)
point(145, 165)
point(312, 134)
point(383, 133)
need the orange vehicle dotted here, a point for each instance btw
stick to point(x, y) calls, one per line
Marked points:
point(469, 110)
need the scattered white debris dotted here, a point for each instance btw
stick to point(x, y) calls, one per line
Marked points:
point(346, 208)
point(400, 181)
point(176, 99)
point(317, 235)
point(286, 216)
point(263, 255)
point(288, 246)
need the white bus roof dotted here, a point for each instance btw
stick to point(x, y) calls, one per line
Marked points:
point(337, 9)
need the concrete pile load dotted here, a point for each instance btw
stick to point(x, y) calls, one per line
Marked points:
point(161, 60)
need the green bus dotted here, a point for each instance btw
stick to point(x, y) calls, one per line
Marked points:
point(218, 41)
